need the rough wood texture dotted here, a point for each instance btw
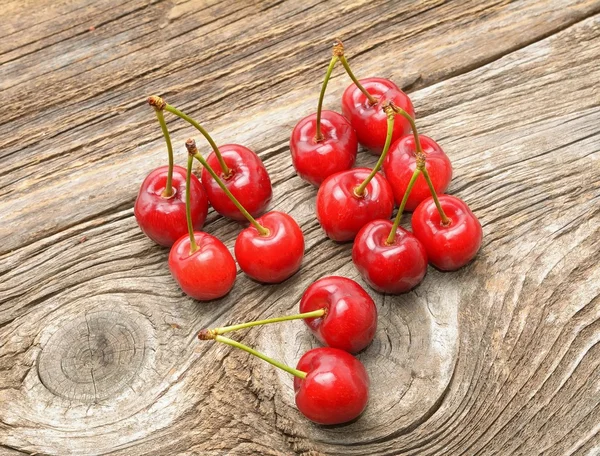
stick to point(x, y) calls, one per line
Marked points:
point(97, 344)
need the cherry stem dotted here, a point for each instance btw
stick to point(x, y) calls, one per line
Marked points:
point(168, 191)
point(360, 190)
point(319, 135)
point(188, 206)
point(184, 116)
point(193, 151)
point(233, 343)
point(421, 163)
point(445, 219)
point(392, 236)
point(370, 97)
point(226, 329)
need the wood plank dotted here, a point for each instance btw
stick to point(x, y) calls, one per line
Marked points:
point(90, 109)
point(498, 358)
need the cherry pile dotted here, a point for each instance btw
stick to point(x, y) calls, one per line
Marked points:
point(353, 204)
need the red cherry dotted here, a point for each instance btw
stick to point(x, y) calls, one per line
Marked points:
point(369, 120)
point(163, 219)
point(336, 387)
point(274, 257)
point(450, 246)
point(351, 319)
point(206, 274)
point(341, 213)
point(247, 180)
point(336, 151)
point(389, 268)
point(401, 162)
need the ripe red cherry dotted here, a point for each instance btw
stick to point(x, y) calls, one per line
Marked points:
point(389, 268)
point(247, 180)
point(163, 219)
point(336, 151)
point(342, 213)
point(208, 273)
point(368, 119)
point(401, 162)
point(336, 387)
point(451, 246)
point(274, 257)
point(351, 319)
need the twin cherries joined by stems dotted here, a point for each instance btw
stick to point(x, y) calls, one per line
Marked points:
point(160, 205)
point(172, 205)
point(331, 385)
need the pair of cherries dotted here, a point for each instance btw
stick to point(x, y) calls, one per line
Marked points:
point(356, 204)
point(172, 205)
point(331, 385)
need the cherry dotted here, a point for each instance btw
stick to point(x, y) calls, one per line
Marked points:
point(200, 263)
point(315, 160)
point(331, 385)
point(272, 248)
point(274, 256)
point(449, 231)
point(335, 389)
point(159, 207)
point(241, 169)
point(350, 320)
point(162, 218)
point(401, 162)
point(348, 200)
point(394, 267)
point(362, 104)
point(324, 143)
point(247, 180)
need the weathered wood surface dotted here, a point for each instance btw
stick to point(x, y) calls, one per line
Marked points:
point(97, 345)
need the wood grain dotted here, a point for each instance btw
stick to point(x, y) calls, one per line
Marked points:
point(97, 344)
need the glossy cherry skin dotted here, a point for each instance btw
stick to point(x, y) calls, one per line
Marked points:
point(336, 388)
point(206, 274)
point(401, 162)
point(163, 219)
point(448, 247)
point(370, 121)
point(395, 268)
point(351, 319)
point(274, 257)
point(316, 160)
point(341, 213)
point(249, 182)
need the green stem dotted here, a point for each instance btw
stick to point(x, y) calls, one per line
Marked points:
point(188, 206)
point(360, 190)
point(226, 171)
point(370, 97)
point(226, 329)
point(168, 191)
point(285, 367)
point(445, 219)
point(319, 135)
point(413, 127)
point(193, 151)
point(392, 236)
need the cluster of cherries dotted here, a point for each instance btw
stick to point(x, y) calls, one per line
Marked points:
point(332, 386)
point(172, 205)
point(357, 204)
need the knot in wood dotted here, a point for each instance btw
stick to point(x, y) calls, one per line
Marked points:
point(93, 356)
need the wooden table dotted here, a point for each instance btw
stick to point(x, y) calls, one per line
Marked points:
point(98, 353)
